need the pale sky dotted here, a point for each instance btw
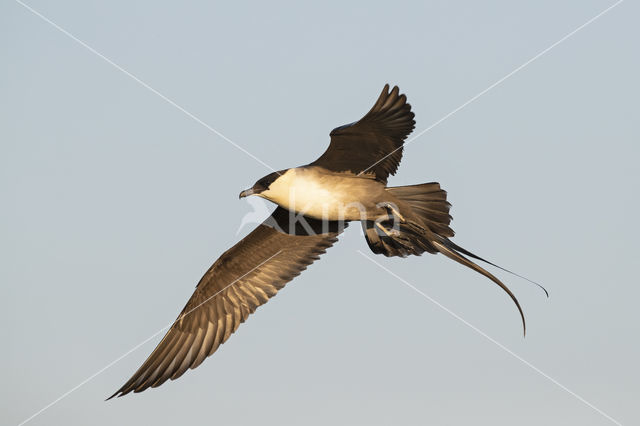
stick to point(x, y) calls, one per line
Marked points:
point(115, 202)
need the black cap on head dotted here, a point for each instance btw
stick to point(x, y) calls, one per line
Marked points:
point(262, 184)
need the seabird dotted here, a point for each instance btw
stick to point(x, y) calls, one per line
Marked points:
point(315, 203)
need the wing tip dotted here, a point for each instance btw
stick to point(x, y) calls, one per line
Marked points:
point(115, 395)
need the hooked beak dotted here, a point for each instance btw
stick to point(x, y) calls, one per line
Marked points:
point(247, 192)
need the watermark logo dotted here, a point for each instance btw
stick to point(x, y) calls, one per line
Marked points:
point(260, 211)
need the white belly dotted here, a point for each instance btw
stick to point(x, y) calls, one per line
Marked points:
point(321, 196)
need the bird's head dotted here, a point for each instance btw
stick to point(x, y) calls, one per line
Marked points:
point(262, 185)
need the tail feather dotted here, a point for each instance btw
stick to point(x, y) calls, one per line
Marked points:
point(456, 247)
point(447, 249)
point(429, 202)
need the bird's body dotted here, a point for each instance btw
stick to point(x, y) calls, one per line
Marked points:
point(323, 194)
point(348, 182)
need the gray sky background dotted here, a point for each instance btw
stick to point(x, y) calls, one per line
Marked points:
point(114, 203)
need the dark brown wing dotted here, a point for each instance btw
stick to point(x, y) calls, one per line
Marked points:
point(242, 279)
point(373, 144)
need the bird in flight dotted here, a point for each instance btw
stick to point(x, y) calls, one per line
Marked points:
point(315, 203)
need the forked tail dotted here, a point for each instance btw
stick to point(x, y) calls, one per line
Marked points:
point(428, 231)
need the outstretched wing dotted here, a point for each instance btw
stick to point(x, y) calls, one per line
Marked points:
point(243, 278)
point(373, 144)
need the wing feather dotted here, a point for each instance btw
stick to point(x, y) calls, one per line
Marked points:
point(241, 280)
point(372, 145)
